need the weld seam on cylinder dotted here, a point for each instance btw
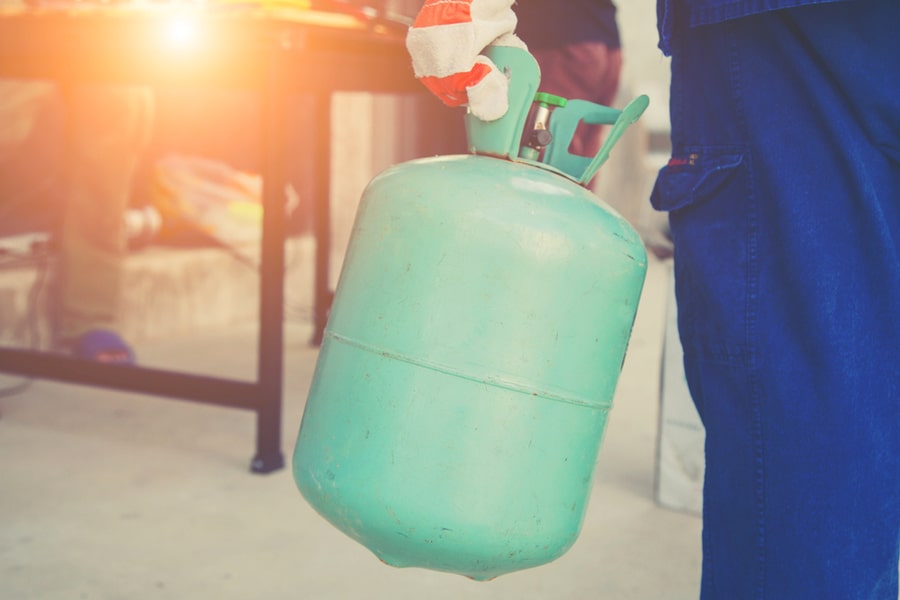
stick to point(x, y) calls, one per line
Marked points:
point(506, 384)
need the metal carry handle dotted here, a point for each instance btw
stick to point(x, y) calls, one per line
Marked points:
point(503, 137)
point(564, 123)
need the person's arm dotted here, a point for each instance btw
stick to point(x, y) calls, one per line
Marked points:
point(445, 43)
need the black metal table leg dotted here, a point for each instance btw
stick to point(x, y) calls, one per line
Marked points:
point(269, 456)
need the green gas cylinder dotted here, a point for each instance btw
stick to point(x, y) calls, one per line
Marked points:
point(471, 355)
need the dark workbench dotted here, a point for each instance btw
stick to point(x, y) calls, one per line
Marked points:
point(273, 49)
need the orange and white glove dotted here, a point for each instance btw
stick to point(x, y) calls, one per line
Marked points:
point(445, 43)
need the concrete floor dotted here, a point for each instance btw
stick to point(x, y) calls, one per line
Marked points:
point(109, 495)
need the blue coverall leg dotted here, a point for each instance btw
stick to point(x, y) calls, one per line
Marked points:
point(783, 193)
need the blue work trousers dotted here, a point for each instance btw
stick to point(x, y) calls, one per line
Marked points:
point(783, 193)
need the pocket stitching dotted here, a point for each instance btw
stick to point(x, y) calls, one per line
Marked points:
point(703, 165)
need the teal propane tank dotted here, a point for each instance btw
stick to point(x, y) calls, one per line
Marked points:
point(470, 358)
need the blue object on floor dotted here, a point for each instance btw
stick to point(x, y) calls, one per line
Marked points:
point(103, 345)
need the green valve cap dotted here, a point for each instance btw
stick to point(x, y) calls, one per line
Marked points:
point(549, 99)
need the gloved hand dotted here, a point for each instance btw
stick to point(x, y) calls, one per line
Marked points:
point(445, 43)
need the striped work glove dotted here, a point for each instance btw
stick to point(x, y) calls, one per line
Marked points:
point(445, 43)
